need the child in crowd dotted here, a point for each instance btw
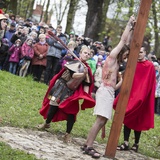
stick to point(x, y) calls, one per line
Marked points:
point(67, 56)
point(27, 55)
point(100, 59)
point(91, 62)
point(98, 76)
point(15, 51)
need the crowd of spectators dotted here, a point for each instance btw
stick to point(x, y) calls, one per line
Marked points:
point(26, 53)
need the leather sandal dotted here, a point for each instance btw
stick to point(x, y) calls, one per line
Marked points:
point(67, 138)
point(135, 147)
point(43, 126)
point(123, 147)
point(83, 147)
point(92, 152)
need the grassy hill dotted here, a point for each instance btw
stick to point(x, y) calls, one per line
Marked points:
point(20, 101)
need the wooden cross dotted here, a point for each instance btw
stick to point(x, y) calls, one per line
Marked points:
point(135, 46)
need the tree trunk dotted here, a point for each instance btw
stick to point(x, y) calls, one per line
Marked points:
point(46, 12)
point(156, 30)
point(27, 11)
point(31, 8)
point(18, 7)
point(13, 6)
point(94, 19)
point(103, 23)
point(71, 15)
point(41, 18)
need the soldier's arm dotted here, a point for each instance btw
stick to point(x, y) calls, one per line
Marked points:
point(78, 75)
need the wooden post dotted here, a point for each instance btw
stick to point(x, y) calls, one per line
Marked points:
point(135, 46)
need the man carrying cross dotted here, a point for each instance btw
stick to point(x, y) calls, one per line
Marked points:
point(105, 93)
point(122, 103)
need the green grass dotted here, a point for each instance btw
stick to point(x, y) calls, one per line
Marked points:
point(20, 101)
point(6, 153)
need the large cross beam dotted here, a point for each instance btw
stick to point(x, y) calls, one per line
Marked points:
point(135, 46)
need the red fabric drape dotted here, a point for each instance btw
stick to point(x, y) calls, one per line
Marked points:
point(140, 109)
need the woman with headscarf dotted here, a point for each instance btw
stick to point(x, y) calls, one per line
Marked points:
point(3, 25)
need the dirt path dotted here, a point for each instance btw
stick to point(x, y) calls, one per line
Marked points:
point(45, 145)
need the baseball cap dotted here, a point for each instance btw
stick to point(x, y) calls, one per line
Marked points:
point(155, 64)
point(13, 24)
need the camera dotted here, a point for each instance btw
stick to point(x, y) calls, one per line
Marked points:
point(19, 33)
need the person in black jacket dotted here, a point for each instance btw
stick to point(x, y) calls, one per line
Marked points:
point(17, 34)
point(3, 52)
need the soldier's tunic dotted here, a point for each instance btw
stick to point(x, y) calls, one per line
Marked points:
point(65, 92)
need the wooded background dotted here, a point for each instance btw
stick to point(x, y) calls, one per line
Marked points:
point(98, 25)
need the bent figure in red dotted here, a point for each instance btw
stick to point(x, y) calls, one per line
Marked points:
point(139, 114)
point(61, 102)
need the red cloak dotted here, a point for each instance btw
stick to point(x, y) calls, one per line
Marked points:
point(71, 104)
point(140, 109)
